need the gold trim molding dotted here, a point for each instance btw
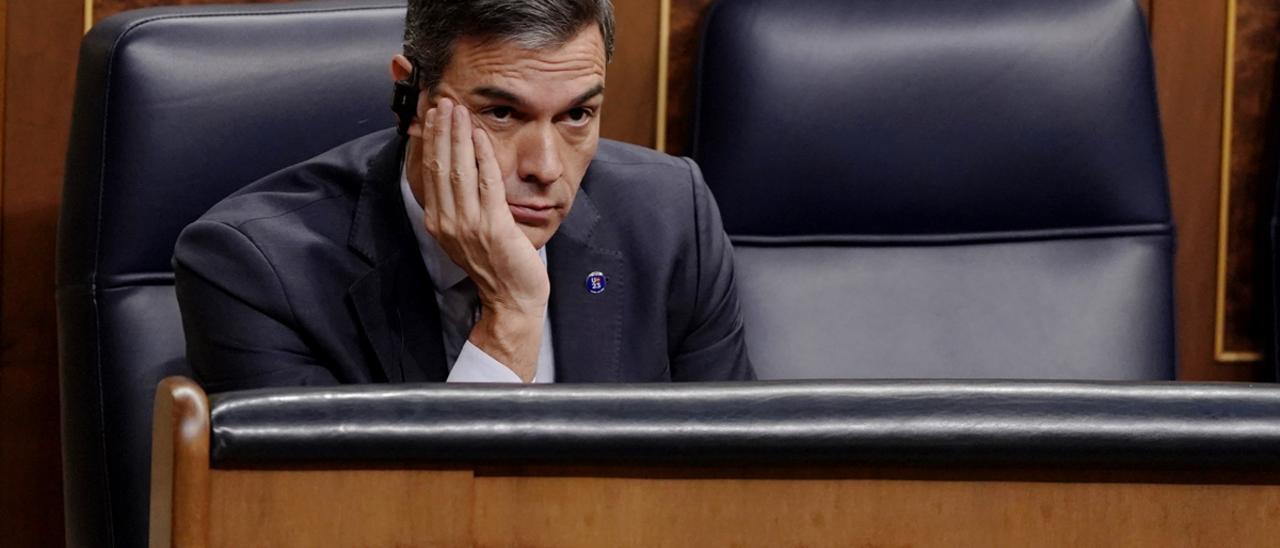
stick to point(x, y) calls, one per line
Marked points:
point(88, 15)
point(1220, 352)
point(664, 53)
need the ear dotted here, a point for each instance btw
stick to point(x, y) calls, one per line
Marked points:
point(401, 68)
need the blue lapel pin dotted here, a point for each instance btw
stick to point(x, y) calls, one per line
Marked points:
point(596, 282)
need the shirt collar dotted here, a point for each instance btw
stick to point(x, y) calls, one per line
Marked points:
point(443, 271)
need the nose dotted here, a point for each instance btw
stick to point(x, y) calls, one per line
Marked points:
point(540, 155)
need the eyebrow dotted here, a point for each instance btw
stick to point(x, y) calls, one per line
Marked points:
point(500, 94)
point(588, 95)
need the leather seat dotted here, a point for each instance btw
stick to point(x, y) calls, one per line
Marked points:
point(983, 424)
point(175, 109)
point(941, 188)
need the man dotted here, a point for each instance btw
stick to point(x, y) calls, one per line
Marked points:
point(500, 240)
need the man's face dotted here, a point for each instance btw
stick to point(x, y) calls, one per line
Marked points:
point(541, 108)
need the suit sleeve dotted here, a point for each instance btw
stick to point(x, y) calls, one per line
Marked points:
point(240, 329)
point(714, 348)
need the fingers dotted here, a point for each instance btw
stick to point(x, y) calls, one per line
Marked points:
point(493, 195)
point(421, 123)
point(426, 179)
point(438, 159)
point(462, 173)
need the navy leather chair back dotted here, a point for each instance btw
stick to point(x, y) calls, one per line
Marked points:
point(175, 109)
point(941, 188)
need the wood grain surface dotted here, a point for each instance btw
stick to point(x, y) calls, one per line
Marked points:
point(629, 507)
point(686, 23)
point(1188, 41)
point(306, 508)
point(41, 43)
point(180, 465)
point(1247, 303)
point(631, 102)
point(599, 511)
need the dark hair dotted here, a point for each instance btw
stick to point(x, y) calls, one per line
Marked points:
point(432, 27)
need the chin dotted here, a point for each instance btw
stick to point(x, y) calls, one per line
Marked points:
point(538, 236)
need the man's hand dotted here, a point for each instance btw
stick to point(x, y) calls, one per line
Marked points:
point(467, 213)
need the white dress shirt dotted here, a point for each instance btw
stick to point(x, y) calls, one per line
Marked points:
point(472, 364)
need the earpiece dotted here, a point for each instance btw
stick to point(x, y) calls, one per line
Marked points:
point(405, 101)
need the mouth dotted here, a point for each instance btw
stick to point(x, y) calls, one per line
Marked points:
point(532, 214)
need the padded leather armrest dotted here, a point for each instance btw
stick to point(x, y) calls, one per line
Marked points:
point(774, 423)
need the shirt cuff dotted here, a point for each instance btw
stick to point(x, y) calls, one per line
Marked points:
point(474, 365)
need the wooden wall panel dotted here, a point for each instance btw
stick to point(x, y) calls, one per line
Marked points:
point(341, 508)
point(8, 464)
point(1189, 41)
point(686, 21)
point(4, 58)
point(631, 99)
point(106, 8)
point(664, 511)
point(1243, 318)
point(42, 39)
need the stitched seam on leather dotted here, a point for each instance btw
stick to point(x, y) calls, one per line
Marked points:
point(973, 238)
point(102, 412)
point(93, 276)
point(245, 13)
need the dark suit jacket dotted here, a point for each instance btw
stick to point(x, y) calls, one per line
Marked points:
point(313, 276)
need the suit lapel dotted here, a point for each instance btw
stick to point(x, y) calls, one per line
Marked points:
point(379, 324)
point(422, 353)
point(394, 301)
point(586, 327)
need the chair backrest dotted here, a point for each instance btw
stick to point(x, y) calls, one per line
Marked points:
point(941, 188)
point(175, 109)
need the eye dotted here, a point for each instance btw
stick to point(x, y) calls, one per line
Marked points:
point(579, 116)
point(499, 114)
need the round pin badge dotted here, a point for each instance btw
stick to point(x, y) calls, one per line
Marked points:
point(596, 282)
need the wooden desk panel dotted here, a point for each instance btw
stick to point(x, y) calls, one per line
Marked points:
point(453, 508)
point(562, 511)
point(617, 505)
point(306, 508)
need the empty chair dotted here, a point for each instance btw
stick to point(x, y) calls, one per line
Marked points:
point(941, 188)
